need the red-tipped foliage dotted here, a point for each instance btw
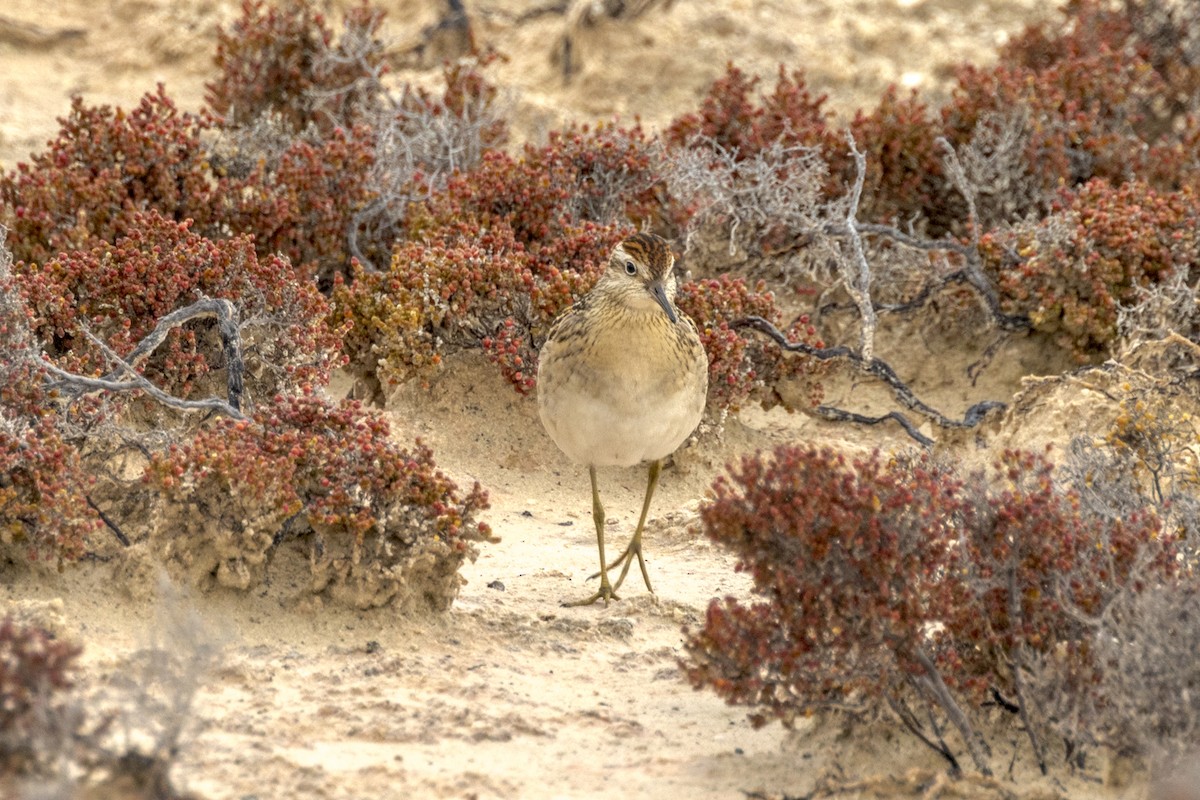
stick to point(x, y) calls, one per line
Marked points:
point(508, 246)
point(1070, 271)
point(282, 59)
point(742, 368)
point(107, 167)
point(34, 668)
point(104, 167)
point(388, 526)
point(119, 292)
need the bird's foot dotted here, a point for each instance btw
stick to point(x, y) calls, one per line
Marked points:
point(606, 592)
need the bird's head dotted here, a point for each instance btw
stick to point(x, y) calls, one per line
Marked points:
point(641, 274)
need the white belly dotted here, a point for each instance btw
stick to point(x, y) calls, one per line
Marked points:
point(599, 433)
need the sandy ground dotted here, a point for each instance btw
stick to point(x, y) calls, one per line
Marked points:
point(510, 695)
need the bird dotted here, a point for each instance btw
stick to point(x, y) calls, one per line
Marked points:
point(622, 380)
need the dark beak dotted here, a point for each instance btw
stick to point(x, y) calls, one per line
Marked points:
point(660, 294)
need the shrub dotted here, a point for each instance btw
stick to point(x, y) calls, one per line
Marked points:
point(731, 119)
point(1154, 436)
point(899, 586)
point(324, 199)
point(354, 154)
point(105, 166)
point(1038, 566)
point(503, 249)
point(281, 59)
point(35, 671)
point(1159, 34)
point(120, 291)
point(1081, 113)
point(904, 178)
point(490, 292)
point(1141, 646)
point(1072, 271)
point(479, 289)
point(767, 154)
point(849, 558)
point(382, 523)
point(43, 502)
point(469, 98)
point(304, 202)
point(598, 175)
point(418, 145)
point(1100, 95)
point(1158, 312)
point(763, 205)
point(316, 196)
point(20, 388)
point(1125, 683)
point(1147, 646)
point(1145, 457)
point(1105, 93)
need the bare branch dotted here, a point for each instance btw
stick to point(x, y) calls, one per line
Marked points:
point(841, 415)
point(858, 283)
point(1018, 663)
point(773, 195)
point(138, 383)
point(879, 369)
point(910, 721)
point(932, 682)
point(958, 177)
point(414, 138)
point(112, 526)
point(972, 270)
point(226, 315)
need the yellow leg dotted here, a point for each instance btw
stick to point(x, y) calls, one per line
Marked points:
point(635, 544)
point(606, 591)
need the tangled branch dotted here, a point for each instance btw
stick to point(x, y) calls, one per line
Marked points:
point(970, 273)
point(126, 378)
point(881, 370)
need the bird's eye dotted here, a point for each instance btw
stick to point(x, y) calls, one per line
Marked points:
point(630, 269)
